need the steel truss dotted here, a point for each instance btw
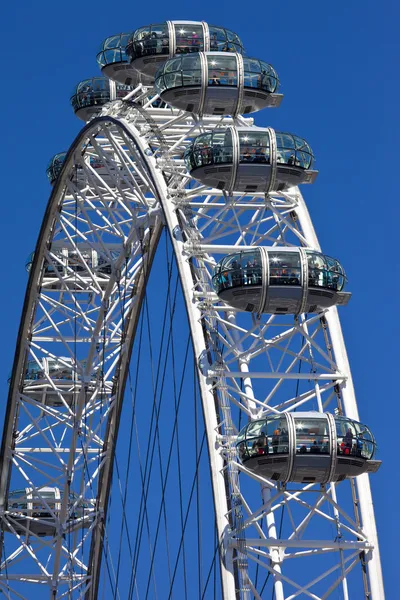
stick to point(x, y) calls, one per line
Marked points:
point(251, 364)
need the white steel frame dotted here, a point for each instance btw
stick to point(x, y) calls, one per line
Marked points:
point(244, 361)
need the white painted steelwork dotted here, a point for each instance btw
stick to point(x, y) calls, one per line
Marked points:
point(245, 361)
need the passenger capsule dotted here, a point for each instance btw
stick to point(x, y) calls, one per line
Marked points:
point(307, 447)
point(70, 268)
point(250, 159)
point(152, 45)
point(54, 167)
point(43, 379)
point(113, 61)
point(280, 280)
point(217, 83)
point(110, 174)
point(90, 95)
point(38, 512)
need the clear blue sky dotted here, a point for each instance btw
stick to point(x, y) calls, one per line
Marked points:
point(337, 63)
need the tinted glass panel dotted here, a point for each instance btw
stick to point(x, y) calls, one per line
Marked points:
point(292, 150)
point(254, 147)
point(268, 436)
point(236, 270)
point(222, 70)
point(353, 438)
point(224, 40)
point(173, 65)
point(189, 38)
point(147, 41)
point(312, 436)
point(260, 75)
point(92, 92)
point(284, 268)
point(324, 272)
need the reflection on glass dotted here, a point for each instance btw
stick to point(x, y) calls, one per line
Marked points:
point(222, 70)
point(312, 436)
point(292, 150)
point(188, 38)
point(254, 147)
point(284, 268)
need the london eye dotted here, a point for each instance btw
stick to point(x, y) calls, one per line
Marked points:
point(227, 461)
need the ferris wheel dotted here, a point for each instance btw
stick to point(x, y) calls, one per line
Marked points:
point(237, 466)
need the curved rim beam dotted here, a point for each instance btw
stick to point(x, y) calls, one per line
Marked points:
point(35, 276)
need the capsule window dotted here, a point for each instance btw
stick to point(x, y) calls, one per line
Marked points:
point(173, 80)
point(160, 30)
point(312, 436)
point(202, 150)
point(191, 77)
point(251, 268)
point(292, 150)
point(111, 42)
point(268, 436)
point(353, 438)
point(33, 371)
point(232, 37)
point(258, 74)
point(173, 65)
point(217, 38)
point(111, 56)
point(142, 34)
point(124, 40)
point(189, 38)
point(222, 70)
point(284, 268)
point(149, 40)
point(237, 270)
point(325, 272)
point(222, 149)
point(191, 63)
point(254, 147)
